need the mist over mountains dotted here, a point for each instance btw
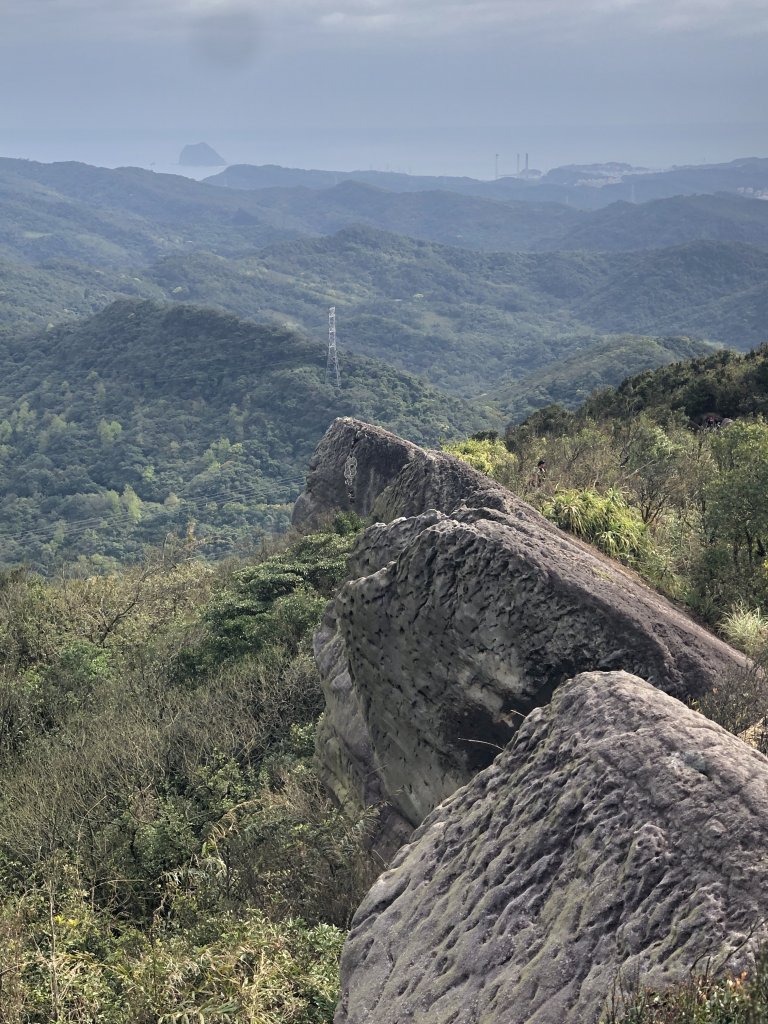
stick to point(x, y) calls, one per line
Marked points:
point(587, 186)
point(461, 305)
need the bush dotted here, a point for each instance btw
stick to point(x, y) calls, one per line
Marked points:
point(703, 999)
point(166, 850)
point(605, 520)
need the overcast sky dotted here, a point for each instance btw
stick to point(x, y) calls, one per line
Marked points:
point(428, 86)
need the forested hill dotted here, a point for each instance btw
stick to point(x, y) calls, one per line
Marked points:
point(725, 384)
point(127, 216)
point(142, 420)
point(681, 396)
point(119, 218)
point(535, 327)
point(511, 226)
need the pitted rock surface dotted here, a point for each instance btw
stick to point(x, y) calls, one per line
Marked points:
point(455, 627)
point(364, 469)
point(353, 463)
point(620, 833)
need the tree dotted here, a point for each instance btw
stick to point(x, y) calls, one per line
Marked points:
point(737, 497)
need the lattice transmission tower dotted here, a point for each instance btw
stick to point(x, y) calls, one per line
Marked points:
point(332, 375)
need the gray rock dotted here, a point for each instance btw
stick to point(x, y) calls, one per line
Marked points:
point(200, 154)
point(455, 627)
point(365, 469)
point(620, 835)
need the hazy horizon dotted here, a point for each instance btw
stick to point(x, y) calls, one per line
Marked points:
point(424, 86)
point(455, 151)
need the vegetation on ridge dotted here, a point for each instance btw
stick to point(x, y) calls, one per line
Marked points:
point(147, 421)
point(166, 851)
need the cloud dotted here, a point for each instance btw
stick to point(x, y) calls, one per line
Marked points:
point(415, 18)
point(470, 17)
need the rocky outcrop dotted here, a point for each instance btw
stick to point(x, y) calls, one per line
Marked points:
point(454, 626)
point(620, 835)
point(200, 154)
point(364, 469)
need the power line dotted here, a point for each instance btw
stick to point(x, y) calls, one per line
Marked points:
point(332, 375)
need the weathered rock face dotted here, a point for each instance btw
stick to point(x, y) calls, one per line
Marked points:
point(360, 468)
point(618, 832)
point(454, 626)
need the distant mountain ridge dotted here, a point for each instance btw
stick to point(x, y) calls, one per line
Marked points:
point(127, 216)
point(581, 298)
point(559, 185)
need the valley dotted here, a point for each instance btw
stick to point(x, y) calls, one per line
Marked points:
point(258, 631)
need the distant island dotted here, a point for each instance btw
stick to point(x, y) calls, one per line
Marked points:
point(201, 155)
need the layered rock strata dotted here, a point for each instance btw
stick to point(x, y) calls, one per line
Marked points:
point(620, 835)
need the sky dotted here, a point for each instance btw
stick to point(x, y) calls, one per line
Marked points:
point(424, 86)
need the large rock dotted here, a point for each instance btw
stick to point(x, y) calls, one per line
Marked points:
point(455, 626)
point(365, 469)
point(200, 154)
point(620, 835)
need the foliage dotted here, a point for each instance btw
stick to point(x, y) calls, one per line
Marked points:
point(70, 964)
point(487, 454)
point(747, 629)
point(704, 998)
point(145, 422)
point(725, 384)
point(166, 850)
point(605, 520)
point(274, 602)
point(736, 507)
point(698, 481)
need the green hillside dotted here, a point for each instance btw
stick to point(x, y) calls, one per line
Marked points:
point(126, 216)
point(570, 381)
point(440, 216)
point(544, 325)
point(465, 320)
point(727, 383)
point(707, 289)
point(513, 226)
point(657, 224)
point(119, 218)
point(144, 420)
point(32, 297)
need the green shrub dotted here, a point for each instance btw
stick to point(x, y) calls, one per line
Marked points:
point(747, 629)
point(605, 520)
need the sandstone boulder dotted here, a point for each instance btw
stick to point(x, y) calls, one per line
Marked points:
point(454, 627)
point(463, 613)
point(620, 835)
point(365, 469)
